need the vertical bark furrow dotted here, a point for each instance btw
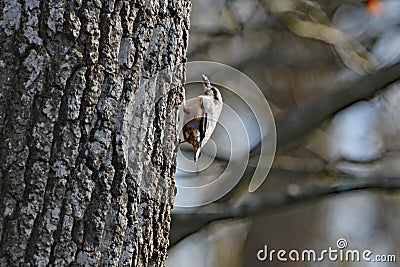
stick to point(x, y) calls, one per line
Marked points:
point(99, 148)
point(63, 157)
point(94, 219)
point(72, 22)
point(25, 170)
point(117, 219)
point(63, 250)
point(115, 227)
point(81, 24)
point(130, 239)
point(9, 26)
point(89, 35)
point(66, 135)
point(88, 45)
point(26, 175)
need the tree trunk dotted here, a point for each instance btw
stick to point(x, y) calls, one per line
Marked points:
point(87, 147)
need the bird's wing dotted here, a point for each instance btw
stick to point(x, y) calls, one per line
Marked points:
point(203, 128)
point(203, 123)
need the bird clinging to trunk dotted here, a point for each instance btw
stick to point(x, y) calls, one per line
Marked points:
point(201, 116)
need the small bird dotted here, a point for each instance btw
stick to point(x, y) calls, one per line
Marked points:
point(201, 115)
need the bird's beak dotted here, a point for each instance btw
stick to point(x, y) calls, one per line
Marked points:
point(197, 154)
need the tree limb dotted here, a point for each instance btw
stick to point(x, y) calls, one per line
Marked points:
point(299, 120)
point(185, 224)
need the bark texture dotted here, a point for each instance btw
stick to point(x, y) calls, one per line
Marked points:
point(87, 139)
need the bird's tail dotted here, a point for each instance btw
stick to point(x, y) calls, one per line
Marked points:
point(206, 82)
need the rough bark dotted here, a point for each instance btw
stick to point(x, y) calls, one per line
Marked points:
point(74, 114)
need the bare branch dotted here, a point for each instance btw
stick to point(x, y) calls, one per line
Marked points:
point(185, 224)
point(298, 121)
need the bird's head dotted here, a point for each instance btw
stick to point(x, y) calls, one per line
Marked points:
point(210, 90)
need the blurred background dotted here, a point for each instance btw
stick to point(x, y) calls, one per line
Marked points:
point(321, 65)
